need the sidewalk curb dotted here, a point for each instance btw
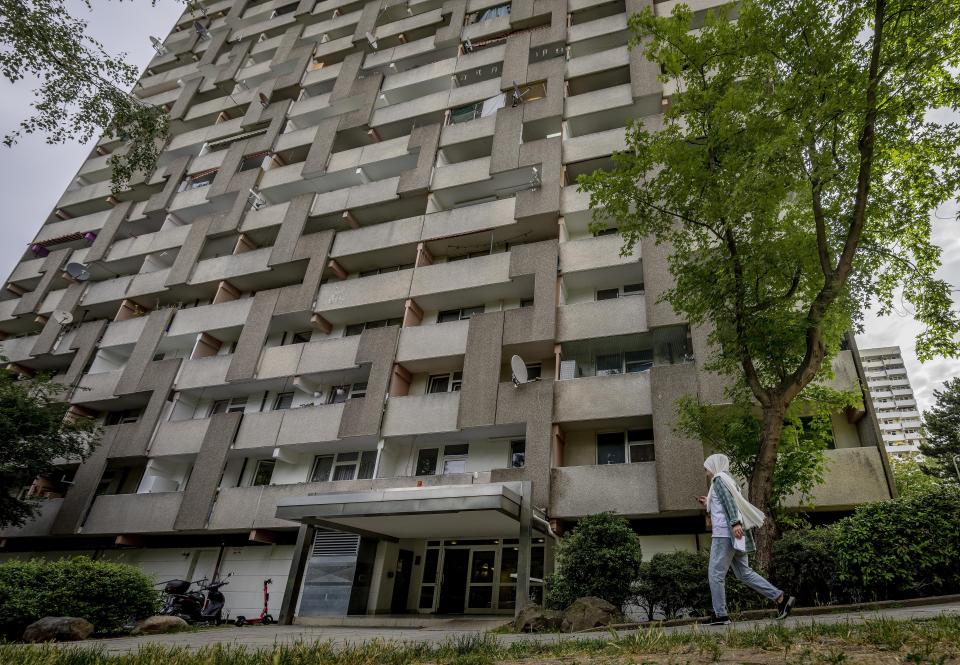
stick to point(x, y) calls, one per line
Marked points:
point(797, 612)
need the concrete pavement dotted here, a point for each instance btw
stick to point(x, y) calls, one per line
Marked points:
point(263, 637)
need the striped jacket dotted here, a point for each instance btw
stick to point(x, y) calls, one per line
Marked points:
point(730, 510)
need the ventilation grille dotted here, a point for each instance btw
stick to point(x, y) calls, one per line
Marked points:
point(335, 543)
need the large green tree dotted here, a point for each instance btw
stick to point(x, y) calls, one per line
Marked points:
point(81, 89)
point(35, 431)
point(941, 428)
point(793, 176)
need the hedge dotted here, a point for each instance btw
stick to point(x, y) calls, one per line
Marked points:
point(804, 564)
point(902, 548)
point(108, 595)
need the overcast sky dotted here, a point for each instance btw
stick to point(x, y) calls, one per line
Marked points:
point(33, 175)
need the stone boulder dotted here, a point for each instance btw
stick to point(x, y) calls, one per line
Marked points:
point(159, 624)
point(536, 619)
point(58, 629)
point(586, 613)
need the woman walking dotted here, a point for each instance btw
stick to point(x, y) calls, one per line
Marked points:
point(732, 518)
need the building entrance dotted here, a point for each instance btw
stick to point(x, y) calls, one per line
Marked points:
point(476, 576)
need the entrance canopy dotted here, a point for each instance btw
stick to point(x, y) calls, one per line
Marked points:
point(445, 511)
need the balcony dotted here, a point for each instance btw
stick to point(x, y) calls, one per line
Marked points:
point(853, 476)
point(40, 525)
point(439, 342)
point(601, 318)
point(370, 296)
point(480, 279)
point(133, 513)
point(179, 437)
point(97, 387)
point(203, 372)
point(421, 414)
point(577, 491)
point(309, 424)
point(600, 397)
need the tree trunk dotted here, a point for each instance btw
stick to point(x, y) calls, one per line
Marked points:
point(761, 481)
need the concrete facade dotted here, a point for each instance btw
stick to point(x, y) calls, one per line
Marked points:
point(353, 229)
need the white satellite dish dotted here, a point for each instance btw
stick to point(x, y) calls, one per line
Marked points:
point(256, 200)
point(62, 317)
point(372, 40)
point(158, 46)
point(519, 369)
point(78, 271)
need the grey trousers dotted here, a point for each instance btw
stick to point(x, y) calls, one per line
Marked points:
point(723, 556)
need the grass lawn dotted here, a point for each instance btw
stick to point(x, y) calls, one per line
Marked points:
point(876, 642)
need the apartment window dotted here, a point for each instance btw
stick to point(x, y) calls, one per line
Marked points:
point(123, 417)
point(518, 453)
point(445, 383)
point(283, 401)
point(534, 371)
point(346, 391)
point(252, 162)
point(637, 361)
point(344, 466)
point(380, 271)
point(233, 405)
point(620, 292)
point(526, 302)
point(606, 231)
point(458, 314)
point(263, 473)
point(301, 337)
point(452, 460)
point(635, 445)
point(357, 328)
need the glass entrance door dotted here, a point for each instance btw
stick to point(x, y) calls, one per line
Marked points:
point(481, 581)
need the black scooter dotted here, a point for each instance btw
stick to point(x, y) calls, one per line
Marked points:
point(191, 605)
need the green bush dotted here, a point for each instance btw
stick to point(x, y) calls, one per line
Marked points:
point(906, 547)
point(676, 584)
point(106, 594)
point(600, 557)
point(804, 565)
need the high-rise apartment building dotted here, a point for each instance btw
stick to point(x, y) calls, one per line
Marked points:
point(893, 398)
point(306, 332)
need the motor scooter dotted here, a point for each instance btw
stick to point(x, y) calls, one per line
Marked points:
point(265, 617)
point(201, 605)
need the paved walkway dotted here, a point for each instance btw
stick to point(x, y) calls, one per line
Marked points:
point(258, 637)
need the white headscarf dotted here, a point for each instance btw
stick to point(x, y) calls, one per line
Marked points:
point(719, 465)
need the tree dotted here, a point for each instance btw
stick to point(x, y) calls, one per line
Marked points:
point(941, 426)
point(735, 430)
point(601, 557)
point(911, 476)
point(82, 89)
point(35, 430)
point(792, 180)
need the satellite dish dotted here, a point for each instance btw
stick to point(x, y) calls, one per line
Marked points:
point(158, 46)
point(78, 271)
point(255, 199)
point(372, 40)
point(62, 317)
point(201, 30)
point(519, 369)
point(264, 100)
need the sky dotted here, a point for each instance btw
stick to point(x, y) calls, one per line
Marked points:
point(33, 175)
